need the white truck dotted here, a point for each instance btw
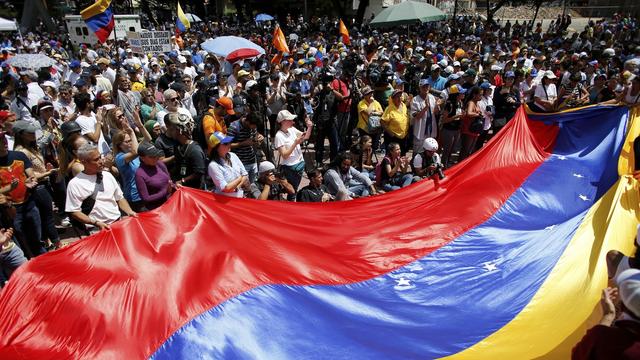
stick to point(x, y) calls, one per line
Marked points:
point(79, 33)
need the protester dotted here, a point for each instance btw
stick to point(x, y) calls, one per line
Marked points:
point(225, 169)
point(153, 181)
point(315, 191)
point(287, 142)
point(345, 182)
point(269, 185)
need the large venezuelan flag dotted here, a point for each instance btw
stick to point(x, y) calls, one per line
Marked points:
point(99, 18)
point(504, 261)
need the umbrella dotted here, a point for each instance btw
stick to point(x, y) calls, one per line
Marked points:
point(225, 45)
point(263, 17)
point(241, 54)
point(407, 12)
point(30, 61)
point(192, 18)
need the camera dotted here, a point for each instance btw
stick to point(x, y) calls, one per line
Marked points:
point(435, 159)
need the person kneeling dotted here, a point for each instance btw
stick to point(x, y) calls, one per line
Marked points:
point(427, 164)
point(270, 186)
point(395, 172)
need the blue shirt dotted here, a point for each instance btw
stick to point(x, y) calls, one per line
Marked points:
point(128, 176)
point(437, 84)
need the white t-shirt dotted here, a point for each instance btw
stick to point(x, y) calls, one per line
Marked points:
point(287, 140)
point(550, 95)
point(88, 126)
point(106, 207)
point(161, 114)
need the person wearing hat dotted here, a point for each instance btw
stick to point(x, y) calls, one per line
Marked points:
point(545, 96)
point(43, 167)
point(426, 162)
point(451, 119)
point(611, 338)
point(190, 159)
point(506, 100)
point(270, 185)
point(436, 81)
point(213, 120)
point(395, 121)
point(75, 73)
point(107, 72)
point(152, 177)
point(424, 113)
point(369, 107)
point(287, 143)
point(225, 169)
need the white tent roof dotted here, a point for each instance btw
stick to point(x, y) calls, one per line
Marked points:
point(7, 25)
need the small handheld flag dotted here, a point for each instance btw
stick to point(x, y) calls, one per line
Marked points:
point(182, 23)
point(345, 33)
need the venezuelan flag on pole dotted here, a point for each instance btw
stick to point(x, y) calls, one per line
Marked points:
point(182, 23)
point(506, 259)
point(99, 19)
point(345, 33)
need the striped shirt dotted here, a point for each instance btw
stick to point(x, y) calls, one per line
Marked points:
point(247, 154)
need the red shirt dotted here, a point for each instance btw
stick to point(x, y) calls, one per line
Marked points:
point(620, 341)
point(340, 86)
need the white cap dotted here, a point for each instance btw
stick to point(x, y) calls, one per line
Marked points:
point(443, 63)
point(448, 69)
point(50, 84)
point(250, 84)
point(629, 287)
point(549, 74)
point(495, 68)
point(456, 63)
point(435, 67)
point(182, 59)
point(266, 166)
point(285, 115)
point(297, 71)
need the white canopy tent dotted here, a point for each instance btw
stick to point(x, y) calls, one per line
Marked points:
point(7, 25)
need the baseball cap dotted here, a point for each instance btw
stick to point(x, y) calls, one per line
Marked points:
point(24, 126)
point(509, 74)
point(219, 138)
point(227, 104)
point(242, 73)
point(74, 64)
point(44, 104)
point(285, 115)
point(629, 289)
point(435, 67)
point(50, 84)
point(69, 127)
point(148, 149)
point(266, 166)
point(103, 61)
point(549, 74)
point(424, 82)
point(80, 83)
point(4, 115)
point(485, 85)
point(366, 90)
point(250, 84)
point(495, 68)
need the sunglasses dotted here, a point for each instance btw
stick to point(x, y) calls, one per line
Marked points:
point(174, 99)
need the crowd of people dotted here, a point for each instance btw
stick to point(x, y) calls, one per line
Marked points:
point(106, 132)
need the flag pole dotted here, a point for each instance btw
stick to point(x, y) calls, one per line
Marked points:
point(115, 33)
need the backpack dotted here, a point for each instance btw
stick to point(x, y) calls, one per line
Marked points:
point(326, 108)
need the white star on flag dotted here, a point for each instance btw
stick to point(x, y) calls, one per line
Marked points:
point(490, 267)
point(583, 197)
point(403, 282)
point(562, 157)
point(550, 227)
point(579, 176)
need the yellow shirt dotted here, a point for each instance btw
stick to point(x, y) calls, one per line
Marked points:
point(363, 115)
point(395, 120)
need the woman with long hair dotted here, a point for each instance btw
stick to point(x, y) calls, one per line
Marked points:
point(125, 148)
point(365, 160)
point(472, 122)
point(287, 142)
point(225, 169)
point(25, 142)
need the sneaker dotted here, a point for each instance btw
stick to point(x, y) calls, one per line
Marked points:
point(65, 222)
